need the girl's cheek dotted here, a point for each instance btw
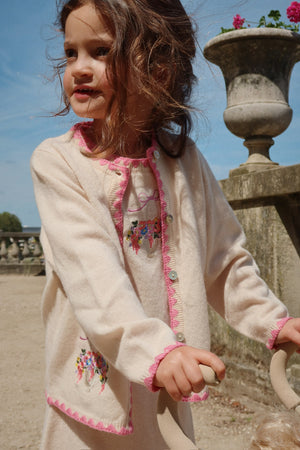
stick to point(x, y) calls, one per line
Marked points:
point(66, 83)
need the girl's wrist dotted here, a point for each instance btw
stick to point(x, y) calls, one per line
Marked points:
point(284, 333)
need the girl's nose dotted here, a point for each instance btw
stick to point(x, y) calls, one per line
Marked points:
point(82, 68)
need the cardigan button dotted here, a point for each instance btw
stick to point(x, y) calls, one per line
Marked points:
point(180, 337)
point(156, 154)
point(169, 218)
point(118, 172)
point(173, 275)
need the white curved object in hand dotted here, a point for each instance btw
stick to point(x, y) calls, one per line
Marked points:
point(209, 375)
point(167, 415)
point(278, 376)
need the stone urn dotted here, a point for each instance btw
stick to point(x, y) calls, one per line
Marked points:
point(256, 64)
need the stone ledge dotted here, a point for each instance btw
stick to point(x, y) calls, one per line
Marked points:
point(22, 269)
point(262, 187)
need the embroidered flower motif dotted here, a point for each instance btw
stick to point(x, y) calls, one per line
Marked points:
point(91, 364)
point(143, 230)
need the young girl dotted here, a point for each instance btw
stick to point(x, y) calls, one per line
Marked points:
point(137, 236)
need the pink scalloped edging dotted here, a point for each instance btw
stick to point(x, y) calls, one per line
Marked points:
point(152, 370)
point(88, 144)
point(83, 141)
point(122, 161)
point(90, 422)
point(165, 248)
point(118, 216)
point(134, 162)
point(280, 324)
point(196, 397)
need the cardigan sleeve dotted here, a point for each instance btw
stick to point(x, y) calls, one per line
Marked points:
point(233, 283)
point(88, 260)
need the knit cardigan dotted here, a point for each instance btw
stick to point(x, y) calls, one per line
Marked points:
point(90, 298)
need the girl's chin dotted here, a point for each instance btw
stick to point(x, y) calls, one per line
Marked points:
point(89, 115)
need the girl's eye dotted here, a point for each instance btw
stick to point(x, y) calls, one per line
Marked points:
point(70, 53)
point(102, 51)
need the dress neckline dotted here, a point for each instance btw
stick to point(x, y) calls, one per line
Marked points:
point(80, 133)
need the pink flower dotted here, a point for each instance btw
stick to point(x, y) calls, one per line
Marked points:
point(293, 12)
point(238, 22)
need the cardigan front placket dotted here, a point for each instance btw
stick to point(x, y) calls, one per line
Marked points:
point(122, 170)
point(169, 263)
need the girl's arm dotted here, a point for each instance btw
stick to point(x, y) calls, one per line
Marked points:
point(233, 284)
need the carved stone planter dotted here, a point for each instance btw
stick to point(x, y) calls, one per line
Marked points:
point(256, 64)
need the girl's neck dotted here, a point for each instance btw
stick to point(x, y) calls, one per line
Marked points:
point(135, 145)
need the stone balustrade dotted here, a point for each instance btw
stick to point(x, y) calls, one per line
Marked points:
point(21, 252)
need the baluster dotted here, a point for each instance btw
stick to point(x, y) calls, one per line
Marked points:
point(14, 252)
point(37, 252)
point(25, 251)
point(3, 252)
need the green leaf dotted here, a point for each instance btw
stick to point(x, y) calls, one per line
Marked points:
point(262, 22)
point(274, 14)
point(226, 30)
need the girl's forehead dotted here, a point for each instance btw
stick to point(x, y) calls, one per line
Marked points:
point(86, 21)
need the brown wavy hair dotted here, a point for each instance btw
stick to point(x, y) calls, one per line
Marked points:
point(154, 41)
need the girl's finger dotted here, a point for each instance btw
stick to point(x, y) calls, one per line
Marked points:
point(183, 383)
point(194, 375)
point(211, 360)
point(173, 390)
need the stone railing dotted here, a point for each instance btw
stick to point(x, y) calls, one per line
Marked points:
point(21, 253)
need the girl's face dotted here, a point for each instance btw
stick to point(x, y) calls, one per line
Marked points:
point(87, 43)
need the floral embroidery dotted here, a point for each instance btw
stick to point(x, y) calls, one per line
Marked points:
point(143, 230)
point(91, 364)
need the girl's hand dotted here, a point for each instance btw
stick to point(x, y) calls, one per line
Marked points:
point(179, 372)
point(289, 332)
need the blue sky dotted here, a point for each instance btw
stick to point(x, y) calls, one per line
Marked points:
point(27, 98)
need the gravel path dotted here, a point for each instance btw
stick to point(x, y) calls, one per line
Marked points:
point(222, 422)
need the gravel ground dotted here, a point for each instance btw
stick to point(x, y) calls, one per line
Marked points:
point(225, 421)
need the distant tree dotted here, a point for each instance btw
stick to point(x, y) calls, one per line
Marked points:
point(10, 222)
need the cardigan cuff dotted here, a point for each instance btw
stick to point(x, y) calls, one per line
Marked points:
point(280, 324)
point(152, 370)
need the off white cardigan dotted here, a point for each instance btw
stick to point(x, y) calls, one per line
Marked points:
point(90, 297)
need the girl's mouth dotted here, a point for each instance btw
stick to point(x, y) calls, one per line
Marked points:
point(84, 92)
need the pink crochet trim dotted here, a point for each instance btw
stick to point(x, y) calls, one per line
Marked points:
point(122, 161)
point(196, 397)
point(118, 216)
point(83, 140)
point(280, 324)
point(149, 380)
point(134, 162)
point(165, 248)
point(90, 423)
point(88, 144)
